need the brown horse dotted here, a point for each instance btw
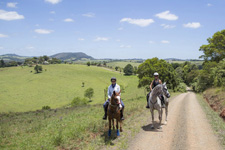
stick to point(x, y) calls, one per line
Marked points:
point(113, 112)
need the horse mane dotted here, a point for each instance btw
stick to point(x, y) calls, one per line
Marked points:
point(156, 89)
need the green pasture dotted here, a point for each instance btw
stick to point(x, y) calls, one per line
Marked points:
point(122, 64)
point(22, 90)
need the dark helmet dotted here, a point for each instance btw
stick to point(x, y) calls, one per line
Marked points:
point(113, 78)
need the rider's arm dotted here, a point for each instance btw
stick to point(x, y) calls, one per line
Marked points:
point(160, 82)
point(151, 86)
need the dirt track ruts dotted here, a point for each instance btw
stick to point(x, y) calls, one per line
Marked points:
point(187, 129)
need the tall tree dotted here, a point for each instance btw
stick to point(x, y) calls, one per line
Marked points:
point(215, 49)
point(166, 72)
point(128, 69)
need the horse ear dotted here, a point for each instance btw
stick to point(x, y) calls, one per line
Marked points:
point(114, 92)
point(164, 83)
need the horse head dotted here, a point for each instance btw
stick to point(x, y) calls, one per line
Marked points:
point(115, 99)
point(165, 90)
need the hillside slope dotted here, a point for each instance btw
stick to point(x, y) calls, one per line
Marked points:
point(72, 56)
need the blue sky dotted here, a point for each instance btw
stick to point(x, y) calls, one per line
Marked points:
point(109, 29)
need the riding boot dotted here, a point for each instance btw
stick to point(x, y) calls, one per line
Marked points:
point(162, 102)
point(121, 114)
point(147, 106)
point(105, 109)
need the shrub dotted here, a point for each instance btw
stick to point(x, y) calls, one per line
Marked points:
point(77, 101)
point(46, 107)
point(89, 93)
point(181, 87)
point(128, 70)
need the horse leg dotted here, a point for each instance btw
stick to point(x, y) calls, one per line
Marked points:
point(121, 124)
point(117, 127)
point(152, 112)
point(166, 113)
point(160, 117)
point(109, 132)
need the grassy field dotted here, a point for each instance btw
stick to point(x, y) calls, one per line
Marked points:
point(69, 128)
point(193, 62)
point(122, 64)
point(22, 90)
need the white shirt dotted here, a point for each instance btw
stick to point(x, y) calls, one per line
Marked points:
point(111, 89)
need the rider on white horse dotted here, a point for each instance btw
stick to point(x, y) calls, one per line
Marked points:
point(113, 87)
point(153, 84)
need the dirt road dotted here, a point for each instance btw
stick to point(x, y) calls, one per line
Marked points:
point(187, 129)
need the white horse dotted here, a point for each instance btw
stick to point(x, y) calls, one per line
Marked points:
point(155, 102)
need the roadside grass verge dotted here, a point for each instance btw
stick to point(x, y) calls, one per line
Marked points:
point(216, 122)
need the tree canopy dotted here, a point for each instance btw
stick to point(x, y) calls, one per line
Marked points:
point(166, 72)
point(128, 69)
point(215, 49)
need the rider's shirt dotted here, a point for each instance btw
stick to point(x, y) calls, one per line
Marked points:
point(112, 88)
point(155, 83)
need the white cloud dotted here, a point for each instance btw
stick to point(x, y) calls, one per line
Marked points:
point(29, 47)
point(10, 15)
point(167, 15)
point(52, 12)
point(90, 15)
point(194, 25)
point(68, 20)
point(139, 22)
point(53, 1)
point(151, 42)
point(118, 40)
point(3, 36)
point(166, 26)
point(209, 5)
point(43, 31)
point(125, 46)
point(81, 39)
point(101, 39)
point(12, 5)
point(165, 42)
point(120, 28)
point(1, 47)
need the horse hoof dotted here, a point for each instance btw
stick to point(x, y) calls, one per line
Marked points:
point(118, 133)
point(165, 122)
point(109, 133)
point(121, 130)
point(160, 127)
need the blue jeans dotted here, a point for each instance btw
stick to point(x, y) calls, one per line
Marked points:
point(108, 102)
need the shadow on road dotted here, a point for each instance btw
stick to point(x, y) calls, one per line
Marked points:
point(148, 128)
point(109, 140)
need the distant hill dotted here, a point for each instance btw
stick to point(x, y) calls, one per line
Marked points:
point(13, 57)
point(72, 56)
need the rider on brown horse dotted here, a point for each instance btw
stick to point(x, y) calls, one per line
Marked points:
point(153, 84)
point(113, 87)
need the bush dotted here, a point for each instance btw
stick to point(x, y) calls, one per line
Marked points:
point(181, 87)
point(89, 93)
point(46, 107)
point(77, 101)
point(128, 70)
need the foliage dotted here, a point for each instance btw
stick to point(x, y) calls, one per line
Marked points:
point(116, 68)
point(77, 101)
point(215, 50)
point(2, 63)
point(89, 93)
point(88, 63)
point(218, 74)
point(181, 87)
point(128, 70)
point(46, 107)
point(38, 68)
point(166, 73)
